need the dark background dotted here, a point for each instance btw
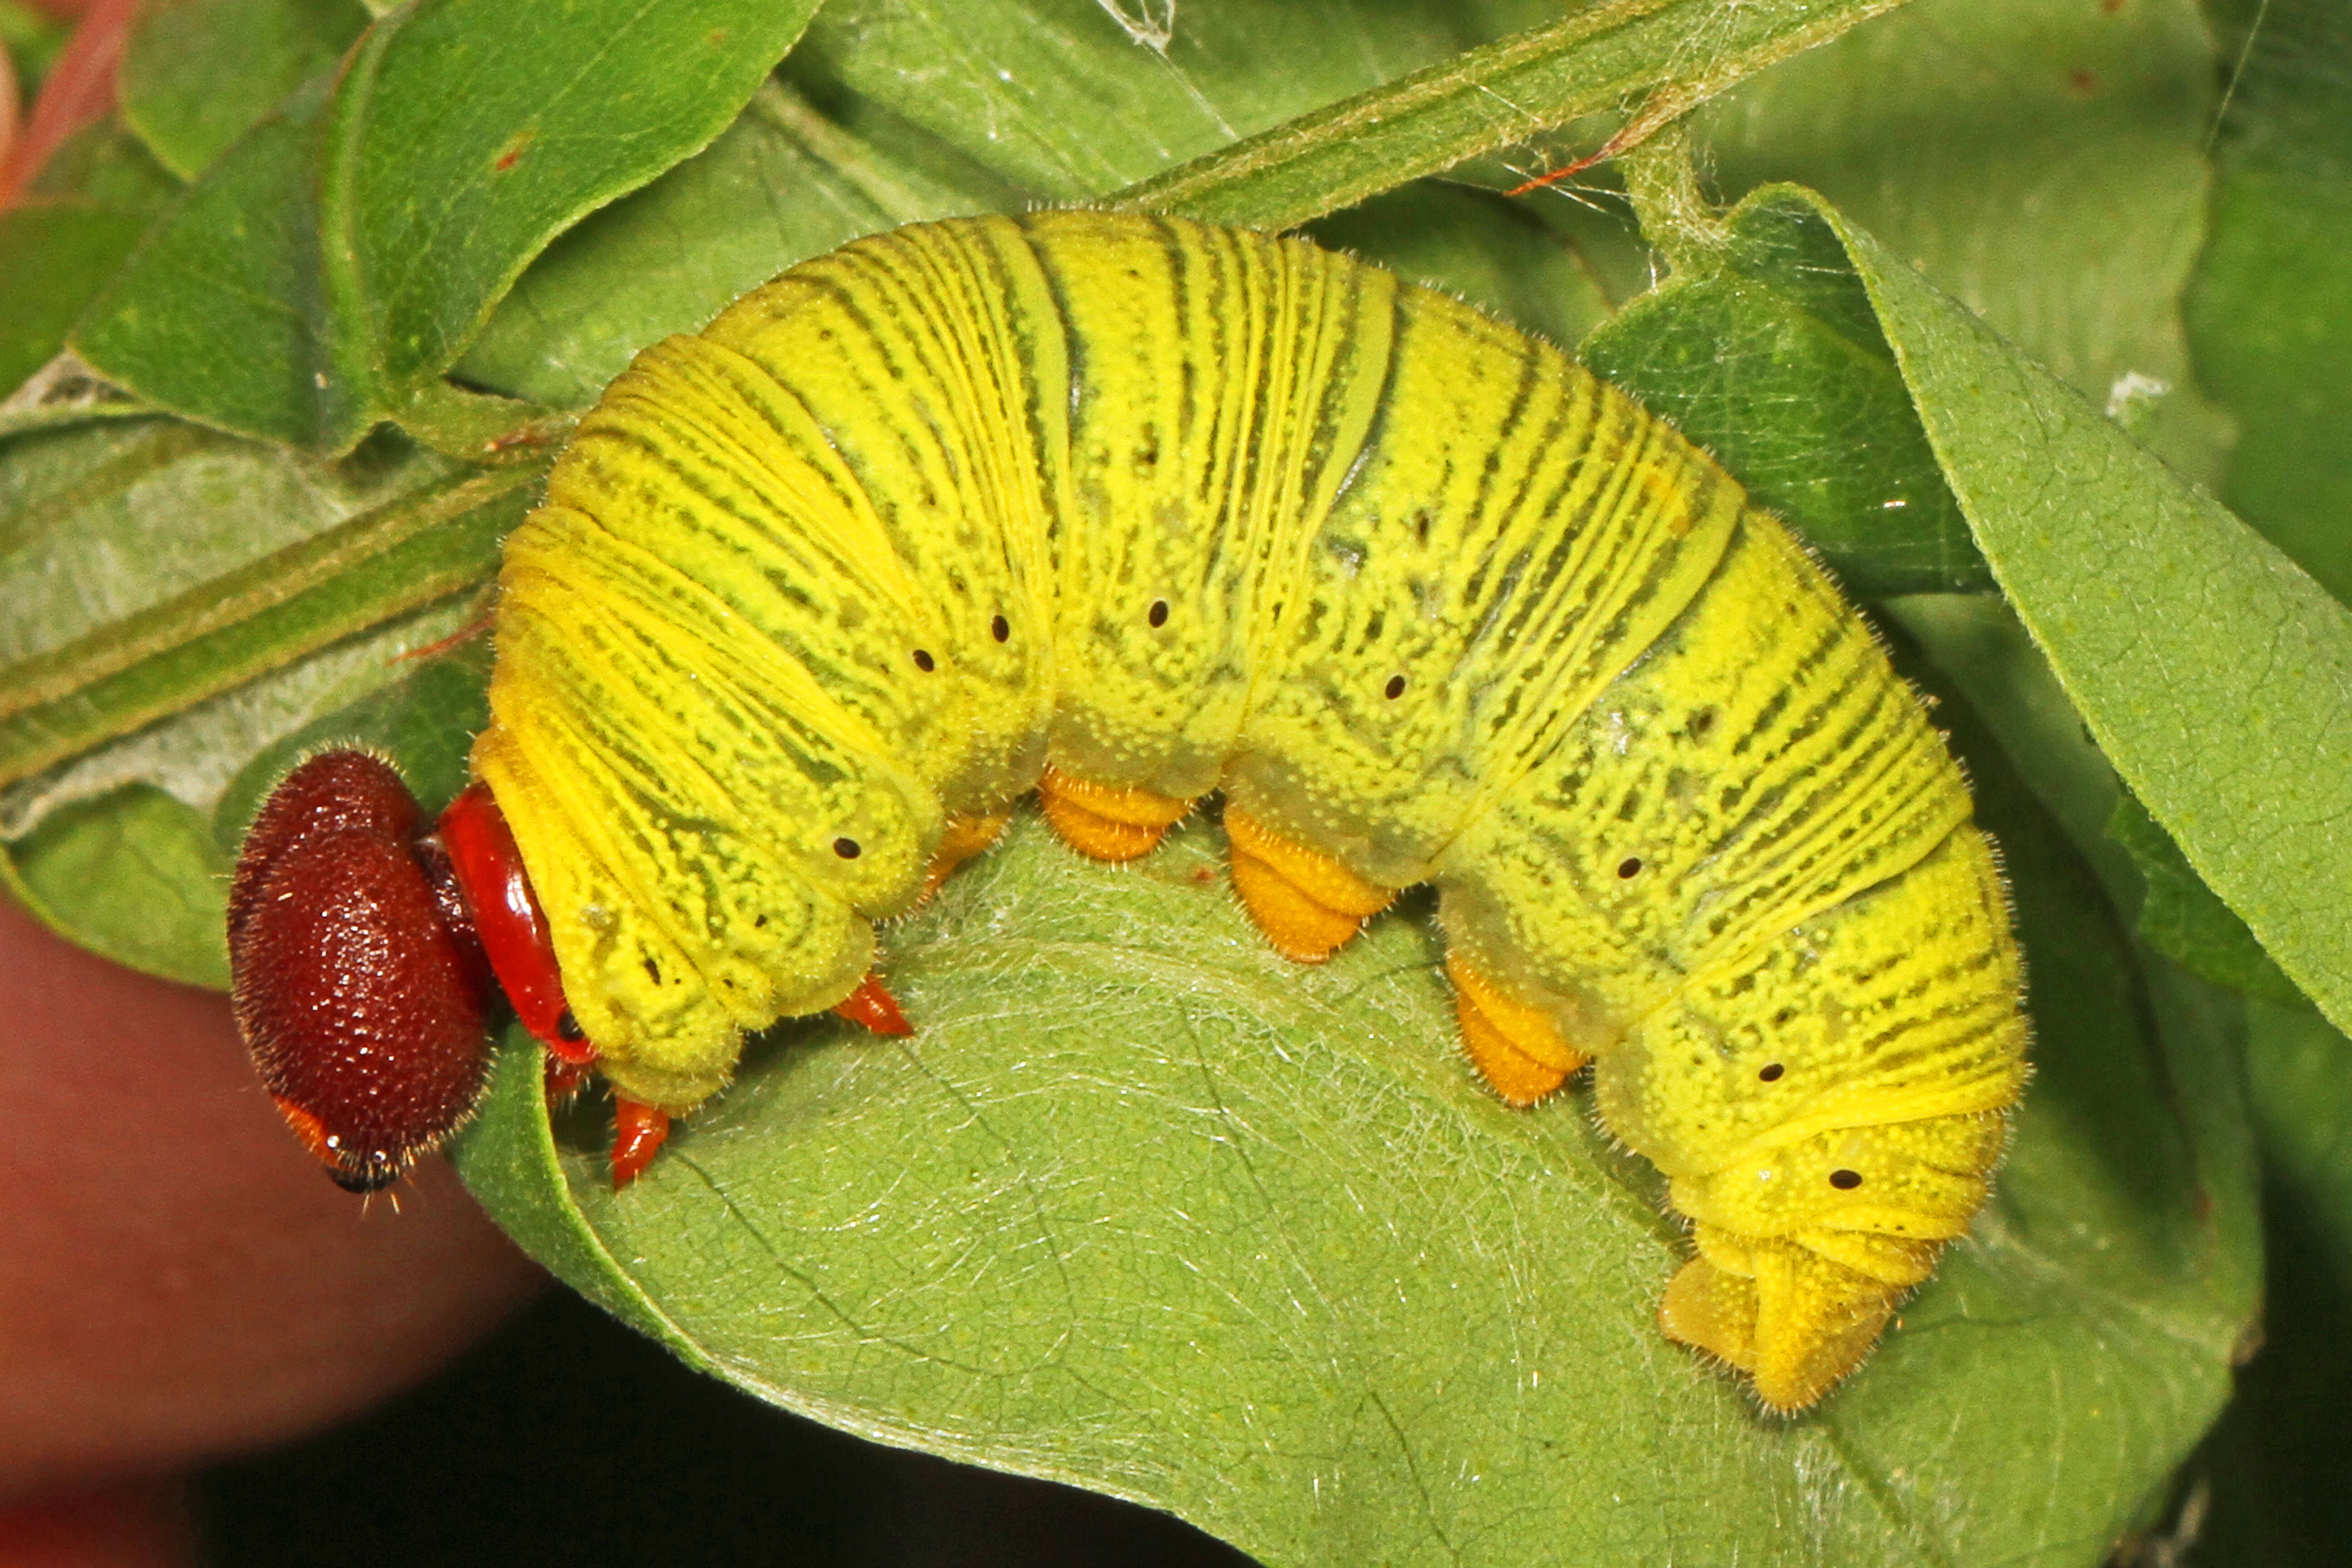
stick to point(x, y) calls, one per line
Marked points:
point(565, 1438)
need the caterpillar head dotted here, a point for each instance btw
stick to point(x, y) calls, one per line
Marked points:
point(357, 979)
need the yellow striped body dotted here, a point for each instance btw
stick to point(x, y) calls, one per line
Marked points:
point(1180, 509)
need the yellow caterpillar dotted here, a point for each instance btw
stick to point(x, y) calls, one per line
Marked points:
point(1130, 510)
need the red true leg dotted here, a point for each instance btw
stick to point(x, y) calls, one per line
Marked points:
point(638, 1132)
point(874, 1008)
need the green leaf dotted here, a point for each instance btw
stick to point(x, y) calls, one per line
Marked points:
point(1474, 245)
point(2299, 1075)
point(2043, 165)
point(136, 876)
point(198, 74)
point(87, 207)
point(426, 719)
point(53, 257)
point(338, 258)
point(221, 315)
point(1771, 359)
point(444, 170)
point(2273, 322)
point(2184, 920)
point(781, 184)
point(274, 557)
point(1682, 51)
point(1071, 99)
point(2270, 313)
point(1144, 1208)
point(105, 164)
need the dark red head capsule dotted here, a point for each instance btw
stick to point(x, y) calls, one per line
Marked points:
point(360, 997)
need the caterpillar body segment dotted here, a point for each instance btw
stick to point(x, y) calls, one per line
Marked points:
point(1139, 510)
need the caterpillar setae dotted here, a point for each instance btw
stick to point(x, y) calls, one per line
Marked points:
point(1128, 510)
